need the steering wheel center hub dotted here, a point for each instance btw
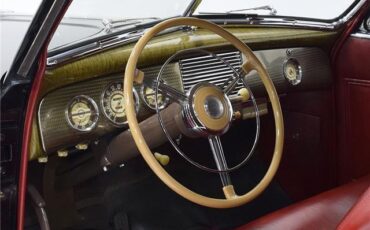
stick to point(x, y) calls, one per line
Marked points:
point(209, 109)
point(214, 107)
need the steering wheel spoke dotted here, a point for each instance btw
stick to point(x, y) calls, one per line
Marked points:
point(174, 94)
point(219, 157)
point(221, 164)
point(243, 70)
point(229, 192)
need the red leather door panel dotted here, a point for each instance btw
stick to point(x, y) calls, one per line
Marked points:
point(353, 108)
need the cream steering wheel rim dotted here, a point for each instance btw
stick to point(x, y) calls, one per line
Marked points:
point(232, 199)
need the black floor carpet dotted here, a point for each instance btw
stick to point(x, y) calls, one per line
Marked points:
point(132, 197)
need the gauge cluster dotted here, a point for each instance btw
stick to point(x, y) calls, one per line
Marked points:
point(87, 110)
point(82, 112)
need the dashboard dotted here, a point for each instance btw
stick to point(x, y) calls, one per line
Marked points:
point(83, 112)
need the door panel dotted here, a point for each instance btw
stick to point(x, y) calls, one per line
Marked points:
point(353, 108)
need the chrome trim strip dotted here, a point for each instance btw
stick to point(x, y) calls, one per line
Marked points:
point(361, 35)
point(41, 37)
point(95, 47)
point(91, 48)
point(127, 38)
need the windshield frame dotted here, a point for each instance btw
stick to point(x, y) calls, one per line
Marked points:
point(70, 52)
point(354, 6)
point(282, 20)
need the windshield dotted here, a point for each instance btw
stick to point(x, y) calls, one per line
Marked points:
point(316, 9)
point(87, 18)
point(84, 19)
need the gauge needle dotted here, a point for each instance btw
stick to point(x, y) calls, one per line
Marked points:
point(81, 113)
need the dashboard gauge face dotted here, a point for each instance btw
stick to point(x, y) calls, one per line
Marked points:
point(113, 103)
point(82, 113)
point(148, 95)
point(293, 71)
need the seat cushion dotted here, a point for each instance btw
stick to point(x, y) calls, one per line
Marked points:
point(359, 215)
point(323, 211)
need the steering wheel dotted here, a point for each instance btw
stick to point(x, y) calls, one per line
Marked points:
point(213, 121)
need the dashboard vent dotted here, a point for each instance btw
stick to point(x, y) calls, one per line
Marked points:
point(206, 68)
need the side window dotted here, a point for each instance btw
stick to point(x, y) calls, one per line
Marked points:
point(15, 18)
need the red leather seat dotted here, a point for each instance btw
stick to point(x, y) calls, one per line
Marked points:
point(324, 211)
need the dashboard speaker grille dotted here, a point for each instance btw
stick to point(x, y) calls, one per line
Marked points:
point(206, 68)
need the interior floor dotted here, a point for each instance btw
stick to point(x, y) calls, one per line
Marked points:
point(132, 197)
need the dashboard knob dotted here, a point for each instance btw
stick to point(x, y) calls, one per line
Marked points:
point(163, 159)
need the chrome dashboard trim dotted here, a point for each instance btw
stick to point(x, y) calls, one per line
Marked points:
point(127, 38)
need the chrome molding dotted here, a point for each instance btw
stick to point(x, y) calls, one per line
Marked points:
point(95, 47)
point(92, 48)
point(127, 38)
point(40, 38)
point(361, 35)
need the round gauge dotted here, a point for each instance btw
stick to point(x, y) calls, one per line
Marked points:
point(82, 113)
point(113, 103)
point(148, 95)
point(292, 71)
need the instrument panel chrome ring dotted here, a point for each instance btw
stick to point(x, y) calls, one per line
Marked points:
point(299, 71)
point(142, 96)
point(95, 107)
point(137, 103)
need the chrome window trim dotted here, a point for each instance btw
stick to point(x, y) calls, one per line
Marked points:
point(130, 37)
point(41, 37)
point(361, 35)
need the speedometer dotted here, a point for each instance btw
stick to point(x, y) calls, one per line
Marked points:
point(82, 113)
point(113, 103)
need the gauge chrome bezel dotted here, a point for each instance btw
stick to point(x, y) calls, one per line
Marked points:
point(298, 68)
point(142, 96)
point(94, 106)
point(136, 98)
